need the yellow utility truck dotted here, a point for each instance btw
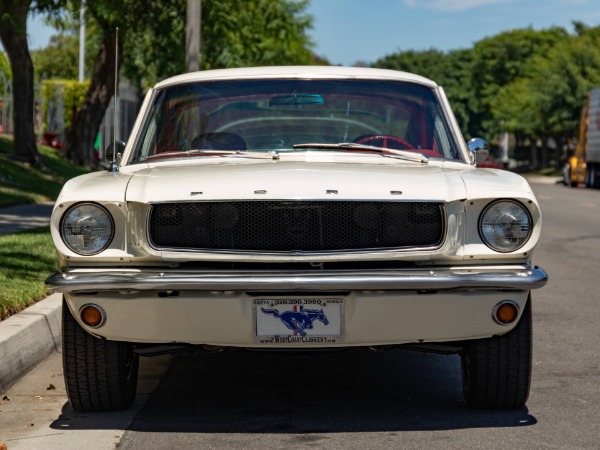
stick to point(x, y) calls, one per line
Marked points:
point(584, 165)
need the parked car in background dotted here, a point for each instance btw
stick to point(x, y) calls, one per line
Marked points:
point(491, 163)
point(296, 208)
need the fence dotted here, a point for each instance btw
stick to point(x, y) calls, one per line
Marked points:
point(128, 107)
point(6, 105)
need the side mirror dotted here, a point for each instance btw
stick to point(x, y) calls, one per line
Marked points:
point(114, 149)
point(479, 148)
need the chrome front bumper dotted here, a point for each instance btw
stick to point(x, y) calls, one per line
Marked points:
point(502, 278)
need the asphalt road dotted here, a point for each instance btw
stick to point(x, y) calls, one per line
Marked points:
point(356, 400)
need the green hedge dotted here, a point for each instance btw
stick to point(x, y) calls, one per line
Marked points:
point(73, 97)
point(5, 69)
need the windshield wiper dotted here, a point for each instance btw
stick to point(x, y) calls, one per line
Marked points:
point(242, 153)
point(391, 152)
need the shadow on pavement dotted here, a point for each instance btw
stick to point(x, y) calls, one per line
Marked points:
point(248, 392)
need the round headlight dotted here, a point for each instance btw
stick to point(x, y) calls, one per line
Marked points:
point(87, 229)
point(505, 226)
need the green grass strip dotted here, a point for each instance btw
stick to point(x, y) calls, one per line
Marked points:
point(21, 184)
point(26, 260)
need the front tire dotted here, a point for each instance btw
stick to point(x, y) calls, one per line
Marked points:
point(100, 375)
point(496, 371)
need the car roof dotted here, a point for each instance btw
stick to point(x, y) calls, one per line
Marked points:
point(297, 72)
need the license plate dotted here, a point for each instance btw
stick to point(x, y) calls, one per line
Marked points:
point(299, 320)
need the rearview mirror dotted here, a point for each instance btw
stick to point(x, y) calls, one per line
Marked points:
point(296, 100)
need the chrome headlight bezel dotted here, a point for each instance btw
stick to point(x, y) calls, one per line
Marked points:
point(106, 239)
point(488, 228)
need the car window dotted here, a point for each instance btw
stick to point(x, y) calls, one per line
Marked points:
point(268, 115)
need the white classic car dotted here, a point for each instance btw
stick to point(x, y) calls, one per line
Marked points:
point(296, 208)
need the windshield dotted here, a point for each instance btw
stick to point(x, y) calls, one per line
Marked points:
point(276, 115)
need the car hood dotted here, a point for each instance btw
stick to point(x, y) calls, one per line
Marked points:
point(276, 179)
point(486, 183)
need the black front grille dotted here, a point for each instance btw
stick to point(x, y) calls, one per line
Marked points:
point(304, 226)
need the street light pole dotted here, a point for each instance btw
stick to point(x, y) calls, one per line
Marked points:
point(192, 35)
point(82, 42)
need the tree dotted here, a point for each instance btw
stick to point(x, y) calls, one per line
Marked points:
point(457, 84)
point(498, 61)
point(432, 63)
point(546, 102)
point(108, 15)
point(4, 65)
point(235, 33)
point(450, 70)
point(60, 59)
point(13, 32)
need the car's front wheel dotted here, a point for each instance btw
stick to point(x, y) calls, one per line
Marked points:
point(496, 371)
point(100, 375)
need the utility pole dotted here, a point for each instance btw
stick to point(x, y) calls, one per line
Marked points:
point(82, 42)
point(192, 35)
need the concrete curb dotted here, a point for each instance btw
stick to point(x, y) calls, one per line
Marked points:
point(27, 338)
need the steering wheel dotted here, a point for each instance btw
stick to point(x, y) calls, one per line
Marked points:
point(381, 140)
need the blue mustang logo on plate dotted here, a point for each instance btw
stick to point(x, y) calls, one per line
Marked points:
point(298, 321)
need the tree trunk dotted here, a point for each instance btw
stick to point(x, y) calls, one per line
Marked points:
point(544, 152)
point(80, 137)
point(533, 160)
point(13, 32)
point(559, 155)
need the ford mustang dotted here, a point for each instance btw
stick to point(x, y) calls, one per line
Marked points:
point(305, 208)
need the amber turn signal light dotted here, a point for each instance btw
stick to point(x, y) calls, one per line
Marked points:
point(506, 312)
point(92, 315)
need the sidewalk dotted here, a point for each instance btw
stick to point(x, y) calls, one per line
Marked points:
point(540, 179)
point(15, 219)
point(29, 337)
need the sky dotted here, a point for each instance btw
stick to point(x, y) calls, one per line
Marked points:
point(348, 31)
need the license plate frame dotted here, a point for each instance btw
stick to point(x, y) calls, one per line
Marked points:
point(298, 320)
